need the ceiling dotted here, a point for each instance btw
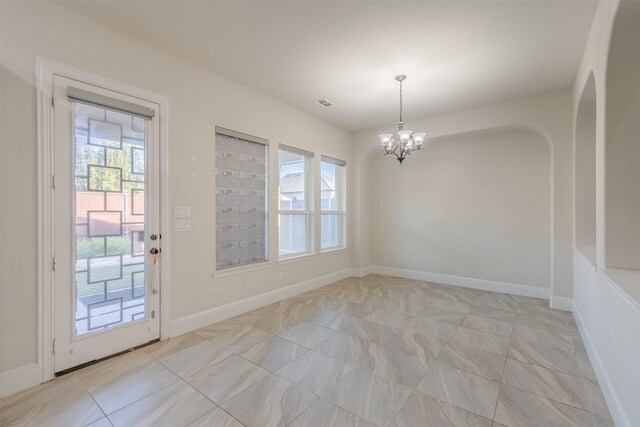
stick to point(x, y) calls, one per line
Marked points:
point(456, 54)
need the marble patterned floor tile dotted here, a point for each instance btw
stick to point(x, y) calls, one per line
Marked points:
point(541, 337)
point(477, 362)
point(307, 334)
point(176, 405)
point(216, 329)
point(586, 370)
point(63, 401)
point(270, 402)
point(315, 372)
point(499, 301)
point(164, 348)
point(517, 408)
point(547, 324)
point(593, 399)
point(408, 306)
point(600, 421)
point(465, 337)
point(343, 306)
point(389, 317)
point(273, 353)
point(324, 414)
point(493, 313)
point(423, 410)
point(95, 376)
point(433, 329)
point(275, 323)
point(102, 422)
point(544, 382)
point(240, 339)
point(462, 389)
point(369, 396)
point(461, 295)
point(546, 311)
point(333, 320)
point(386, 362)
point(490, 326)
point(190, 360)
point(225, 379)
point(385, 335)
point(132, 385)
point(443, 315)
point(547, 357)
point(450, 304)
point(216, 418)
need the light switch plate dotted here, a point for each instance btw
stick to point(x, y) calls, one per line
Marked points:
point(182, 212)
point(182, 225)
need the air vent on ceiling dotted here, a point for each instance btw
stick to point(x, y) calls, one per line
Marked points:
point(325, 102)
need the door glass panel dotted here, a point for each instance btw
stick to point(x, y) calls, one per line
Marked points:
point(109, 164)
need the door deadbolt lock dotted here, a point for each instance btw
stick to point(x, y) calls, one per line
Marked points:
point(154, 251)
point(153, 237)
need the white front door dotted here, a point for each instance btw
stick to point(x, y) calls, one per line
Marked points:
point(106, 223)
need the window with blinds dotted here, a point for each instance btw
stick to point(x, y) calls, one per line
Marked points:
point(241, 199)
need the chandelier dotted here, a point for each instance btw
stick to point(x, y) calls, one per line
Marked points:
point(408, 141)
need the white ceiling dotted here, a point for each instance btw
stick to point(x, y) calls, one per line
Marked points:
point(456, 54)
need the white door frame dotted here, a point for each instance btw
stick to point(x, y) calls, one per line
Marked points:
point(45, 71)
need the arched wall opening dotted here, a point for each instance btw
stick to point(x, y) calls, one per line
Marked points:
point(622, 141)
point(585, 172)
point(474, 205)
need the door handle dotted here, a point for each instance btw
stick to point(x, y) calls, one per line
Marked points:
point(154, 251)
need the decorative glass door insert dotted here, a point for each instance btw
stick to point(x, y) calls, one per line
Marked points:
point(109, 201)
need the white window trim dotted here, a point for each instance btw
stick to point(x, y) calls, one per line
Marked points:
point(341, 212)
point(46, 69)
point(308, 211)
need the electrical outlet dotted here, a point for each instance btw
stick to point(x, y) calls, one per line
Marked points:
point(281, 276)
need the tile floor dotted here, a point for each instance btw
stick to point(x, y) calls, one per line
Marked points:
point(378, 351)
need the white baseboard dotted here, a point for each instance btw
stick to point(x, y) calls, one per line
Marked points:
point(561, 303)
point(466, 282)
point(618, 413)
point(18, 379)
point(201, 319)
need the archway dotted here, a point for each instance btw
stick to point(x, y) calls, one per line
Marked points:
point(622, 141)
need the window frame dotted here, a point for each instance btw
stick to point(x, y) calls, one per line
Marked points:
point(308, 204)
point(222, 272)
point(341, 211)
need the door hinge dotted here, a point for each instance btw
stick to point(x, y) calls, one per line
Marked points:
point(53, 101)
point(53, 182)
point(54, 346)
point(53, 263)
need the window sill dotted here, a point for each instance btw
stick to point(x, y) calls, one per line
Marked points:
point(239, 270)
point(295, 258)
point(334, 251)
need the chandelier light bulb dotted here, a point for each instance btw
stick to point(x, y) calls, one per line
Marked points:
point(386, 139)
point(404, 135)
point(418, 139)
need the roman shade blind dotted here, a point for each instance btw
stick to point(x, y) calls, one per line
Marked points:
point(241, 199)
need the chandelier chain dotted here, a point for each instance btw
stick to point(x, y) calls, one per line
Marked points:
point(401, 100)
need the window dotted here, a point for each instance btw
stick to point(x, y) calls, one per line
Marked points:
point(293, 202)
point(332, 203)
point(241, 199)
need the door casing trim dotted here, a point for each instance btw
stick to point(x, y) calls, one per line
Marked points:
point(46, 69)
